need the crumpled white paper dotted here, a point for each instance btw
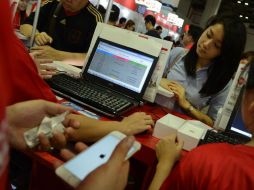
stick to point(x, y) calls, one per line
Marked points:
point(47, 126)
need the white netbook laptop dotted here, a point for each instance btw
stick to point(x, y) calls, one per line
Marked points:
point(113, 81)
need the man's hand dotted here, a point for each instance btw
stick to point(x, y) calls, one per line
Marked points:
point(26, 115)
point(113, 174)
point(45, 71)
point(136, 123)
point(42, 39)
point(46, 52)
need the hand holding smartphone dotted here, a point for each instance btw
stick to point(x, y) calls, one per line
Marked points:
point(76, 169)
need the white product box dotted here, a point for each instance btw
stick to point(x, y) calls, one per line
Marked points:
point(190, 135)
point(169, 124)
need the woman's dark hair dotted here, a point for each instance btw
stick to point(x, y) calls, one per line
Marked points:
point(129, 23)
point(250, 80)
point(226, 64)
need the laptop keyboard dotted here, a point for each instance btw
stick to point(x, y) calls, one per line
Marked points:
point(219, 137)
point(99, 98)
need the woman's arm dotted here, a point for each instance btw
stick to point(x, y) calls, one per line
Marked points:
point(179, 92)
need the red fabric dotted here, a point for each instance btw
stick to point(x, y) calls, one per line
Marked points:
point(26, 84)
point(6, 32)
point(130, 4)
point(214, 166)
point(17, 19)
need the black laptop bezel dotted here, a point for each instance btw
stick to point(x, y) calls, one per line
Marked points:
point(112, 86)
point(233, 115)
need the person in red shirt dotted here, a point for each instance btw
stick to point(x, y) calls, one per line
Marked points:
point(21, 116)
point(212, 166)
point(20, 14)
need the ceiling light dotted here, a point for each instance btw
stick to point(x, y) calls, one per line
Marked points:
point(240, 16)
point(239, 2)
point(246, 4)
point(246, 17)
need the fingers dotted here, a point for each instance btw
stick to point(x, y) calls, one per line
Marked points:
point(121, 150)
point(47, 67)
point(34, 54)
point(54, 109)
point(67, 154)
point(58, 140)
point(79, 146)
point(43, 39)
point(180, 144)
point(44, 142)
point(71, 123)
point(48, 61)
point(149, 120)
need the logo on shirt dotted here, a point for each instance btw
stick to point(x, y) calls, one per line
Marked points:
point(75, 36)
point(63, 21)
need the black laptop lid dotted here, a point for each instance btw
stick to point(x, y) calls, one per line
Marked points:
point(120, 68)
point(235, 123)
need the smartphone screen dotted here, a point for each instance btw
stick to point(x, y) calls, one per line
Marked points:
point(94, 156)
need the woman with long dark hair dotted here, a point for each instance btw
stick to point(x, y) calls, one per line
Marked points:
point(202, 77)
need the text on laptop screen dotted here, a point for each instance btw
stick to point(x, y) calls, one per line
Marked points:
point(120, 66)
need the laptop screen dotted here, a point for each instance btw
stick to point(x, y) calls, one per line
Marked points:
point(235, 123)
point(120, 65)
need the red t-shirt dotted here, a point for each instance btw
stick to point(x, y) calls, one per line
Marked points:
point(214, 166)
point(5, 49)
point(19, 81)
point(23, 76)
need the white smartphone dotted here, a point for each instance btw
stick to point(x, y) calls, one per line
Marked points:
point(76, 169)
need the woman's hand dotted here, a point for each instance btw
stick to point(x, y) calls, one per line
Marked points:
point(179, 92)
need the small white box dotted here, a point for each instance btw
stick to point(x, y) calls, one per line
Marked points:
point(169, 124)
point(190, 135)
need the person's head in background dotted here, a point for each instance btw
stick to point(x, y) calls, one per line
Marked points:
point(247, 57)
point(248, 100)
point(191, 36)
point(74, 6)
point(114, 15)
point(23, 5)
point(150, 22)
point(130, 25)
point(159, 29)
point(220, 48)
point(177, 43)
point(122, 22)
point(168, 38)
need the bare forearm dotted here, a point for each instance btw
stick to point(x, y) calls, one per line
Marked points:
point(162, 171)
point(91, 129)
point(26, 29)
point(63, 55)
point(198, 114)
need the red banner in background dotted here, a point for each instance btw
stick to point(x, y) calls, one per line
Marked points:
point(130, 4)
